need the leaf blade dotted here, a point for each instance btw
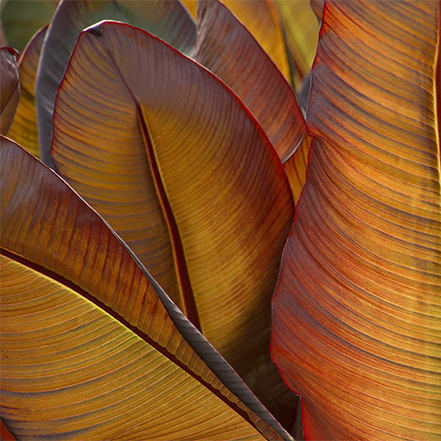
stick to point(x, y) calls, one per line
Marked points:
point(65, 251)
point(365, 284)
point(225, 184)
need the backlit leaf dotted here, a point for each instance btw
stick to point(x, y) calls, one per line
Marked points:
point(301, 33)
point(227, 48)
point(261, 18)
point(90, 349)
point(9, 88)
point(177, 165)
point(357, 312)
point(24, 128)
point(168, 20)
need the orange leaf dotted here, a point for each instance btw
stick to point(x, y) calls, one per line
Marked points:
point(357, 310)
point(178, 166)
point(228, 49)
point(92, 348)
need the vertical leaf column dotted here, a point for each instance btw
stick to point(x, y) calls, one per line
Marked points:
point(357, 311)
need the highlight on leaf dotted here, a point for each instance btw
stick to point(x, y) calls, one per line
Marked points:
point(96, 347)
point(357, 310)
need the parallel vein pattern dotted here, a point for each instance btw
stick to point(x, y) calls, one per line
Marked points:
point(358, 306)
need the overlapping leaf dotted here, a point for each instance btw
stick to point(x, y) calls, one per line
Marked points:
point(9, 88)
point(229, 50)
point(89, 348)
point(357, 312)
point(168, 20)
point(177, 165)
point(261, 18)
point(24, 127)
point(301, 33)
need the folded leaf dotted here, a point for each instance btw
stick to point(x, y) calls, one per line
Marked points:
point(228, 49)
point(168, 20)
point(357, 311)
point(9, 87)
point(89, 347)
point(177, 165)
point(24, 128)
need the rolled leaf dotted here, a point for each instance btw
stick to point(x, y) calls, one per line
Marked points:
point(9, 87)
point(89, 348)
point(357, 311)
point(175, 162)
point(168, 20)
point(228, 49)
point(24, 128)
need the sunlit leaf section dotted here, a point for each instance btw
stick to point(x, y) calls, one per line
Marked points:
point(71, 371)
point(48, 229)
point(357, 312)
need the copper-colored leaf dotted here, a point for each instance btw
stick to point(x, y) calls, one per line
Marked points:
point(261, 18)
point(9, 88)
point(301, 34)
point(24, 128)
point(90, 349)
point(177, 165)
point(228, 49)
point(168, 20)
point(357, 312)
point(296, 166)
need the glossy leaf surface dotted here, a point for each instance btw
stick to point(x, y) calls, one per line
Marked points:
point(9, 88)
point(24, 128)
point(89, 348)
point(357, 312)
point(169, 20)
point(228, 49)
point(183, 172)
